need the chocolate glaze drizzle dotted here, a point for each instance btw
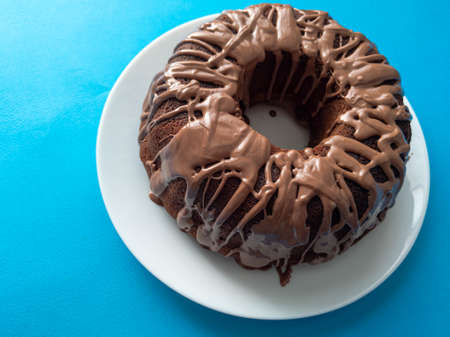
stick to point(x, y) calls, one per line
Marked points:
point(217, 144)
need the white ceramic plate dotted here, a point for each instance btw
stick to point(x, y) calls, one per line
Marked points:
point(208, 278)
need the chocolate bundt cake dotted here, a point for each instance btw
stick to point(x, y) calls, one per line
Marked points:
point(234, 191)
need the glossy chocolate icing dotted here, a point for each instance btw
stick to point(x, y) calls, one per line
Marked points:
point(217, 144)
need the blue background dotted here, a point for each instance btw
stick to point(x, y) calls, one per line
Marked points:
point(63, 269)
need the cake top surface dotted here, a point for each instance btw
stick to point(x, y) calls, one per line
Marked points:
point(216, 143)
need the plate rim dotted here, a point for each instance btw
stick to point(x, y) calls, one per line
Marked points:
point(100, 178)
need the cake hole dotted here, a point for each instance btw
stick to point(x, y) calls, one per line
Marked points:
point(314, 209)
point(378, 174)
point(341, 233)
point(405, 126)
point(261, 179)
point(156, 165)
point(232, 29)
point(160, 90)
point(389, 82)
point(399, 98)
point(351, 50)
point(336, 217)
point(345, 40)
point(345, 168)
point(205, 84)
point(198, 113)
point(360, 158)
point(282, 128)
point(231, 59)
point(215, 46)
point(211, 164)
point(274, 17)
point(186, 57)
point(269, 208)
point(379, 59)
point(191, 45)
point(377, 117)
point(223, 195)
point(297, 190)
point(275, 171)
point(360, 196)
point(372, 50)
point(396, 171)
point(372, 142)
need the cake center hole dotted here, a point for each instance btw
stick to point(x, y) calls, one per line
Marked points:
point(279, 125)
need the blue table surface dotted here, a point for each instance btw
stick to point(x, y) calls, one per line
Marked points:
point(63, 269)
